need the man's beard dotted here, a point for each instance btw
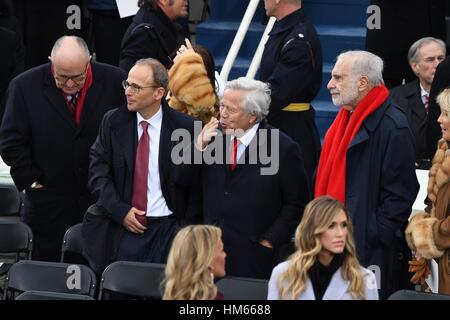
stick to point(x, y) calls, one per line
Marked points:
point(347, 97)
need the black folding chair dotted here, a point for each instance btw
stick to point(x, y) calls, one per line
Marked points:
point(72, 246)
point(236, 288)
point(60, 277)
point(137, 279)
point(10, 202)
point(417, 295)
point(16, 242)
point(44, 295)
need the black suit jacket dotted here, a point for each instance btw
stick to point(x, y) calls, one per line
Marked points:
point(409, 99)
point(158, 42)
point(12, 57)
point(112, 166)
point(250, 206)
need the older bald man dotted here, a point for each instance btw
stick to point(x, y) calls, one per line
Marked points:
point(52, 117)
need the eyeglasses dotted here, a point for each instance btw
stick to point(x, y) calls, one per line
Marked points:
point(77, 78)
point(135, 88)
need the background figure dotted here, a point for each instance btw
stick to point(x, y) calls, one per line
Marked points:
point(108, 30)
point(292, 65)
point(44, 21)
point(324, 265)
point(375, 144)
point(256, 188)
point(159, 42)
point(192, 82)
point(52, 117)
point(424, 56)
point(440, 82)
point(195, 259)
point(12, 56)
point(131, 171)
point(402, 23)
point(428, 233)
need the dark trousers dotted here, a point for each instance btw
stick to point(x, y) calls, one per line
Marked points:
point(151, 246)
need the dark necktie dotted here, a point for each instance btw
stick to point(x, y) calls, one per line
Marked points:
point(139, 198)
point(427, 100)
point(233, 154)
point(73, 104)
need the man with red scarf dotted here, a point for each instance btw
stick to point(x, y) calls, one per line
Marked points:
point(52, 116)
point(367, 162)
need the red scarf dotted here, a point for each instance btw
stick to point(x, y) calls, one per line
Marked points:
point(84, 90)
point(331, 173)
point(82, 98)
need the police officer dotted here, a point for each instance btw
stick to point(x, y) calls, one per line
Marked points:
point(292, 65)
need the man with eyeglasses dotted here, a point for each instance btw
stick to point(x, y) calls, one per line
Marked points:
point(132, 173)
point(52, 117)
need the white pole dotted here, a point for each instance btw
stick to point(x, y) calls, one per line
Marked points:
point(259, 51)
point(238, 39)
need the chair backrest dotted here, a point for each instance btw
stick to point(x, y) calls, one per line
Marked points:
point(72, 241)
point(29, 275)
point(236, 288)
point(45, 295)
point(15, 237)
point(10, 200)
point(417, 295)
point(139, 279)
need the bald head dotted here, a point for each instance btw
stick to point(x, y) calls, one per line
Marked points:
point(70, 58)
point(70, 48)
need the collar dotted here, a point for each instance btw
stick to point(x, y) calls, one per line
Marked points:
point(287, 22)
point(248, 136)
point(154, 121)
point(423, 92)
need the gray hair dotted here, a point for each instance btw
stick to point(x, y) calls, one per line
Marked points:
point(81, 43)
point(413, 53)
point(257, 100)
point(160, 76)
point(365, 63)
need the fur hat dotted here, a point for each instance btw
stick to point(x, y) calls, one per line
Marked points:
point(192, 91)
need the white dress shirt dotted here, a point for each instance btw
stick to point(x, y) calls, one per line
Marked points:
point(423, 95)
point(245, 140)
point(156, 204)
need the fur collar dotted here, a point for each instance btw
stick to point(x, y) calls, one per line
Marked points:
point(439, 173)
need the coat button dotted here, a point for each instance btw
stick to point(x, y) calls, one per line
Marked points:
point(400, 256)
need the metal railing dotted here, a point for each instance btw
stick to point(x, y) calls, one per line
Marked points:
point(239, 38)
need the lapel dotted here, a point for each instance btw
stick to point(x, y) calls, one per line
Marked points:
point(370, 124)
point(337, 288)
point(308, 294)
point(165, 143)
point(416, 105)
point(125, 130)
point(92, 96)
point(56, 99)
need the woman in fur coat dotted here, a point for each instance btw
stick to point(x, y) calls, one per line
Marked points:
point(428, 233)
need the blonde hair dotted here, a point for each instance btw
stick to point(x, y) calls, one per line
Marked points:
point(188, 275)
point(317, 217)
point(443, 99)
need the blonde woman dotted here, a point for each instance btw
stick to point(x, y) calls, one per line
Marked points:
point(324, 266)
point(195, 259)
point(428, 234)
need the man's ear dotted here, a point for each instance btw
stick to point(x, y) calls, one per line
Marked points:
point(415, 67)
point(160, 93)
point(363, 83)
